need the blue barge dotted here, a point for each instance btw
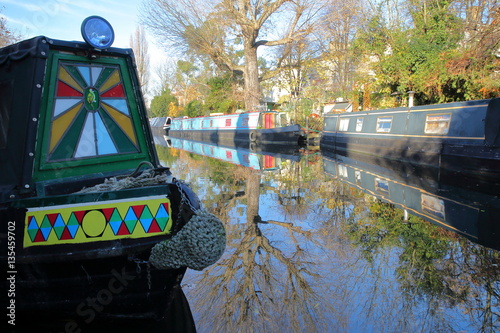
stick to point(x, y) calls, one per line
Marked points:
point(458, 136)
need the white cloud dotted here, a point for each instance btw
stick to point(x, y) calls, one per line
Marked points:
point(11, 20)
point(110, 7)
point(26, 6)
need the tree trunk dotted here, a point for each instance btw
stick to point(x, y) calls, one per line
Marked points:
point(251, 76)
point(253, 196)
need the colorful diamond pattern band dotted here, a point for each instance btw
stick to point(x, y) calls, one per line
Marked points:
point(90, 223)
point(91, 116)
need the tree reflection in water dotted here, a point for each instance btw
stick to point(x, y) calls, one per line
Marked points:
point(261, 285)
point(306, 253)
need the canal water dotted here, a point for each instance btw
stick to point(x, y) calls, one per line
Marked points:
point(324, 243)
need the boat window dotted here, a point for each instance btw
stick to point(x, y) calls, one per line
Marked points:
point(343, 171)
point(343, 124)
point(437, 123)
point(384, 124)
point(359, 124)
point(433, 205)
point(357, 175)
point(382, 185)
point(283, 119)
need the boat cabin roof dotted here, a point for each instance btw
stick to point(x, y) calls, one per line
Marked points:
point(236, 114)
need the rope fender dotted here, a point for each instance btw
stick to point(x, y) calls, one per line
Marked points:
point(199, 244)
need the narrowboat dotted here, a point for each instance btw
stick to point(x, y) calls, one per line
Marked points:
point(461, 135)
point(90, 220)
point(159, 123)
point(467, 207)
point(263, 127)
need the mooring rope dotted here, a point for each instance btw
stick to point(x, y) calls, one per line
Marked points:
point(146, 178)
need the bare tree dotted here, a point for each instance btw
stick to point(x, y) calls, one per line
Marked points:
point(7, 35)
point(165, 77)
point(139, 44)
point(335, 38)
point(293, 66)
point(212, 28)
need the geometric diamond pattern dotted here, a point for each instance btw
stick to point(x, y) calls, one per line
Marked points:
point(161, 216)
point(137, 217)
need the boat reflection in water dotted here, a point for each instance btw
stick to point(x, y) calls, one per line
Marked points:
point(466, 206)
point(250, 155)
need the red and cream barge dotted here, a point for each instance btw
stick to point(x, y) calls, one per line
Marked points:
point(85, 207)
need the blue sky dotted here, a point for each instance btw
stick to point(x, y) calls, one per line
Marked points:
point(61, 19)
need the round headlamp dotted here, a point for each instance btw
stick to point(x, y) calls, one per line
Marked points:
point(97, 32)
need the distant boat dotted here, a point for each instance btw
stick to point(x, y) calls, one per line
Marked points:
point(263, 127)
point(158, 123)
point(461, 136)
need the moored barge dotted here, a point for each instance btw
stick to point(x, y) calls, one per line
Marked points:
point(262, 127)
point(464, 135)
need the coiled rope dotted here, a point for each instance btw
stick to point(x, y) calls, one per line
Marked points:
point(146, 178)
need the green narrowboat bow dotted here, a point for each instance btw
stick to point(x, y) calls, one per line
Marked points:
point(89, 218)
point(459, 136)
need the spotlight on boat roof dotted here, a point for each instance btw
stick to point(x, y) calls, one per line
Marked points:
point(97, 32)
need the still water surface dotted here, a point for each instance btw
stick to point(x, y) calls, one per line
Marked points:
point(311, 247)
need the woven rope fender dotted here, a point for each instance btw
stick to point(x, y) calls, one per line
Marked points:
point(199, 244)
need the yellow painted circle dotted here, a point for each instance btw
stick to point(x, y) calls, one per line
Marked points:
point(93, 223)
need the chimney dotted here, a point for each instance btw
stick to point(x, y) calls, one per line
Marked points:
point(411, 94)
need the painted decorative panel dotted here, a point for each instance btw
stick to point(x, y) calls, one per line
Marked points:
point(90, 114)
point(111, 220)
